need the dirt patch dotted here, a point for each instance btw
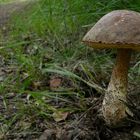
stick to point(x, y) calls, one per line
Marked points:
point(6, 10)
point(86, 125)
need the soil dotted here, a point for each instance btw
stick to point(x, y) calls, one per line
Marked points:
point(6, 10)
point(84, 125)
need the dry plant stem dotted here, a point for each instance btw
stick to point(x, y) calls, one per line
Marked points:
point(114, 110)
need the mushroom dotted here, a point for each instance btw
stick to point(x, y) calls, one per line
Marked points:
point(119, 29)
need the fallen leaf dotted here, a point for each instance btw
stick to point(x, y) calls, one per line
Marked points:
point(60, 116)
point(48, 134)
point(55, 82)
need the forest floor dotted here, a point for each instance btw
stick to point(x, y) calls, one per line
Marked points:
point(21, 118)
point(6, 10)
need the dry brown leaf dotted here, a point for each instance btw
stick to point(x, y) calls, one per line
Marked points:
point(60, 116)
point(48, 134)
point(55, 82)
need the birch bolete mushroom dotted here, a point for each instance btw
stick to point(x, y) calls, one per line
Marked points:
point(119, 29)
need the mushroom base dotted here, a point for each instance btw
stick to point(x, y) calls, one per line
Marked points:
point(113, 108)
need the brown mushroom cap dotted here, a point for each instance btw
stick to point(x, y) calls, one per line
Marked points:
point(117, 29)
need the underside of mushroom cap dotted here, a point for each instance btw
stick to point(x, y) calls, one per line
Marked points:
point(117, 29)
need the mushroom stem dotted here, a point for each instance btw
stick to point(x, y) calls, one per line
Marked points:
point(114, 109)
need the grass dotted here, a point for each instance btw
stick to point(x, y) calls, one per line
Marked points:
point(45, 42)
point(55, 29)
point(7, 1)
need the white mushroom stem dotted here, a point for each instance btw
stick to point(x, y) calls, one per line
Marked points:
point(114, 109)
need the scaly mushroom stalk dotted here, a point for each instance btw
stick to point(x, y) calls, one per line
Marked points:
point(114, 109)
